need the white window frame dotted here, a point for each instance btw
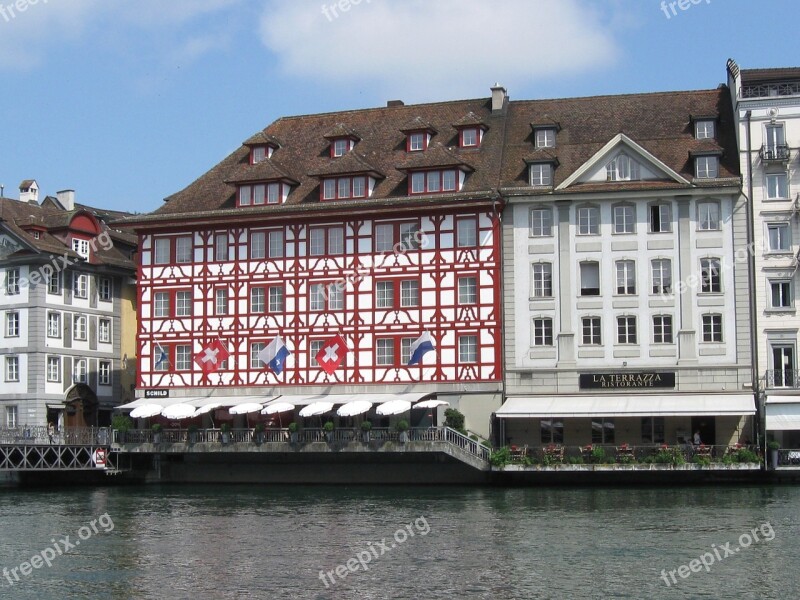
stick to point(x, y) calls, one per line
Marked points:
point(542, 280)
point(663, 210)
point(785, 294)
point(627, 330)
point(581, 275)
point(708, 216)
point(54, 325)
point(80, 285)
point(12, 324)
point(661, 275)
point(541, 174)
point(12, 417)
point(706, 167)
point(591, 331)
point(468, 290)
point(80, 328)
point(588, 220)
point(162, 250)
point(12, 281)
point(781, 242)
point(105, 289)
point(183, 303)
point(184, 249)
point(710, 275)
point(545, 137)
point(161, 302)
point(542, 331)
point(81, 248)
point(104, 372)
point(776, 186)
point(104, 331)
point(663, 330)
point(276, 299)
point(221, 301)
point(468, 349)
point(625, 271)
point(705, 129)
point(257, 300)
point(81, 371)
point(12, 369)
point(54, 369)
point(541, 222)
point(712, 331)
point(624, 219)
point(409, 293)
point(384, 352)
point(183, 358)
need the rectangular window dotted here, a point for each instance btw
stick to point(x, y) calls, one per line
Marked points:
point(590, 279)
point(552, 431)
point(11, 417)
point(624, 219)
point(708, 216)
point(80, 285)
point(316, 241)
point(588, 220)
point(316, 299)
point(259, 194)
point(591, 331)
point(320, 292)
point(780, 294)
point(777, 186)
point(653, 430)
point(467, 233)
point(221, 301)
point(359, 187)
point(53, 369)
point(384, 237)
point(467, 290)
point(183, 358)
point(162, 247)
point(416, 142)
point(160, 359)
point(273, 193)
point(712, 328)
point(707, 167)
point(778, 236)
point(105, 289)
point(161, 305)
point(259, 153)
point(313, 349)
point(626, 277)
point(603, 430)
point(54, 284)
point(343, 188)
point(434, 182)
point(710, 276)
point(104, 331)
point(276, 304)
point(54, 325)
point(81, 248)
point(662, 329)
point(255, 349)
point(469, 137)
point(410, 236)
point(417, 183)
point(704, 129)
point(774, 138)
point(257, 299)
point(221, 247)
point(245, 192)
point(449, 183)
point(542, 280)
point(335, 296)
point(12, 368)
point(340, 147)
point(468, 349)
point(335, 240)
point(545, 138)
point(626, 330)
point(384, 294)
point(12, 324)
point(184, 251)
point(276, 244)
point(660, 218)
point(384, 352)
point(329, 189)
point(662, 275)
point(405, 350)
point(541, 222)
point(104, 374)
point(183, 304)
point(543, 332)
point(409, 293)
point(258, 245)
point(79, 327)
point(541, 174)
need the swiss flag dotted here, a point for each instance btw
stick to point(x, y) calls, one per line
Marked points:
point(332, 353)
point(211, 357)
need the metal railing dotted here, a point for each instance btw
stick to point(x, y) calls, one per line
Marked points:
point(782, 378)
point(73, 436)
point(788, 457)
point(625, 453)
point(777, 153)
point(788, 88)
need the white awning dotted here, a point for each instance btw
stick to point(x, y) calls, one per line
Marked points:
point(303, 400)
point(628, 406)
point(165, 402)
point(783, 413)
point(197, 402)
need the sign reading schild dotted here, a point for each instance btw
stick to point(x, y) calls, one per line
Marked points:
point(156, 393)
point(614, 381)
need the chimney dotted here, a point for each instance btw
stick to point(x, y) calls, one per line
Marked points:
point(395, 103)
point(499, 97)
point(66, 198)
point(29, 191)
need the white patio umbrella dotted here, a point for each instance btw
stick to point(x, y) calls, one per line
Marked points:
point(277, 407)
point(245, 408)
point(431, 404)
point(146, 410)
point(317, 408)
point(356, 407)
point(206, 409)
point(393, 407)
point(178, 411)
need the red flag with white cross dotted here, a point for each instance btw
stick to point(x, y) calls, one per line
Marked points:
point(211, 357)
point(332, 354)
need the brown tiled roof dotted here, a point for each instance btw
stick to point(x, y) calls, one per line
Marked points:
point(26, 183)
point(266, 170)
point(658, 122)
point(348, 164)
point(418, 124)
point(469, 120)
point(262, 139)
point(753, 76)
point(436, 156)
point(340, 130)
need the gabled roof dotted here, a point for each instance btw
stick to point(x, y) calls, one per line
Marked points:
point(349, 164)
point(265, 170)
point(470, 120)
point(418, 124)
point(262, 139)
point(436, 156)
point(26, 183)
point(340, 130)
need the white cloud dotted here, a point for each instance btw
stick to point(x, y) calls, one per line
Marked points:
point(427, 50)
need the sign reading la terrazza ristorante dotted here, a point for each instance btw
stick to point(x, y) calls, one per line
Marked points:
point(626, 380)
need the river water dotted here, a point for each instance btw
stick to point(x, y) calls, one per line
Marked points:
point(428, 543)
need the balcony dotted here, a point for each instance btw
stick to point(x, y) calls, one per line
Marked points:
point(782, 379)
point(775, 154)
point(769, 90)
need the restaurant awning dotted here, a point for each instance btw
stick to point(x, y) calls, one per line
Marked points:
point(197, 402)
point(783, 413)
point(662, 405)
point(337, 399)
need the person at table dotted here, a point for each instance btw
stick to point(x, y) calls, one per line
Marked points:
point(697, 441)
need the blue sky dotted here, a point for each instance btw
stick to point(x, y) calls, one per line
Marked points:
point(128, 101)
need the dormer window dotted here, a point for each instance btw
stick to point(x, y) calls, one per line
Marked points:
point(546, 137)
point(260, 153)
point(263, 193)
point(341, 146)
point(704, 129)
point(81, 248)
point(344, 188)
point(434, 182)
point(541, 174)
point(706, 167)
point(470, 137)
point(622, 168)
point(417, 142)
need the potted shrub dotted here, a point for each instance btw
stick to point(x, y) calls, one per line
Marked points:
point(402, 428)
point(293, 427)
point(773, 447)
point(225, 433)
point(328, 429)
point(156, 428)
point(454, 419)
point(366, 427)
point(121, 424)
point(192, 434)
point(258, 433)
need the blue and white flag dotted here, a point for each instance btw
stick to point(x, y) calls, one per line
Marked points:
point(420, 347)
point(274, 355)
point(162, 355)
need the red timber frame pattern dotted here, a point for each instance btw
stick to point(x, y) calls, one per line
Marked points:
point(437, 265)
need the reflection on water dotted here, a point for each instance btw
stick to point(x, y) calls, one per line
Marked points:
point(272, 542)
